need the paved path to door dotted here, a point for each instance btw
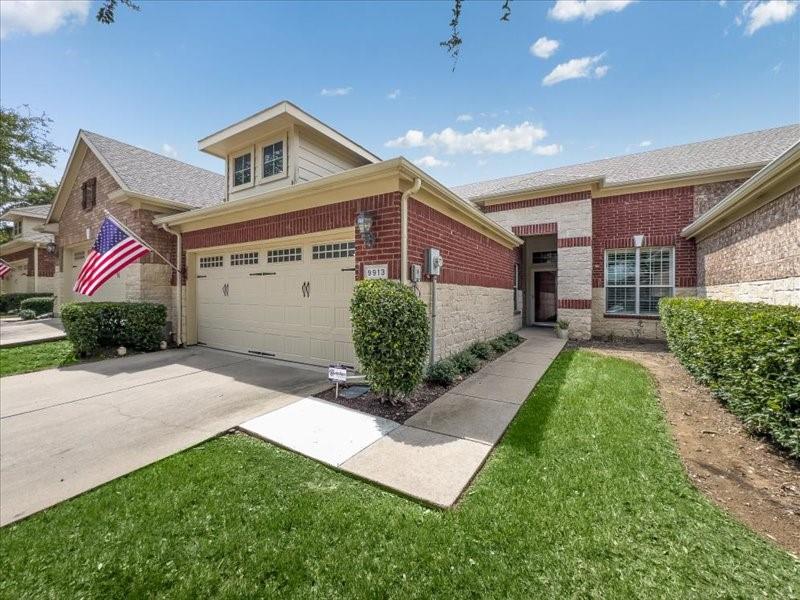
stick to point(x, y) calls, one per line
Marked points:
point(437, 452)
point(20, 333)
point(64, 431)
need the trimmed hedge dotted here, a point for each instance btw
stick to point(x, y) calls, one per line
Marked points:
point(10, 302)
point(94, 325)
point(748, 354)
point(26, 314)
point(390, 335)
point(38, 305)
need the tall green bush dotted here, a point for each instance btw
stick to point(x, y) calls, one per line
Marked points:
point(39, 306)
point(390, 334)
point(12, 301)
point(748, 354)
point(94, 325)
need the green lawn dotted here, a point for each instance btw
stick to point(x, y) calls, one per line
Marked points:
point(585, 497)
point(24, 359)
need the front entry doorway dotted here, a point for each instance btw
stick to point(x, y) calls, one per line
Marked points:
point(545, 304)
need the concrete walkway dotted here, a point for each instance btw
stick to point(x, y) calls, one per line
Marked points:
point(437, 452)
point(20, 333)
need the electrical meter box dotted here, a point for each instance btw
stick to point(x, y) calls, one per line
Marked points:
point(433, 262)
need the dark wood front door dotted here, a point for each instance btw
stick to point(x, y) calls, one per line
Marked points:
point(544, 289)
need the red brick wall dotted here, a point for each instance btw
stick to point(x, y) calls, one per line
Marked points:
point(47, 262)
point(572, 197)
point(470, 258)
point(658, 215)
point(385, 209)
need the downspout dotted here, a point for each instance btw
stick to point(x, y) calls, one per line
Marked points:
point(179, 284)
point(36, 268)
point(404, 229)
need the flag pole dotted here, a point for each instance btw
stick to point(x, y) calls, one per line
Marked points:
point(136, 237)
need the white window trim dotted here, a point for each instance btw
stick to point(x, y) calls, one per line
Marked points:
point(636, 286)
point(232, 168)
point(283, 137)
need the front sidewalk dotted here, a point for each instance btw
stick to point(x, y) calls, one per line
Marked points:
point(437, 452)
point(21, 333)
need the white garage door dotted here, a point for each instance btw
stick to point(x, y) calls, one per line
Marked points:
point(112, 290)
point(291, 302)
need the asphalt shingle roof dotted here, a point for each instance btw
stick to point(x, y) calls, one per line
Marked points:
point(152, 174)
point(40, 211)
point(755, 148)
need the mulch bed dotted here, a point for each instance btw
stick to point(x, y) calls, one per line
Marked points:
point(420, 398)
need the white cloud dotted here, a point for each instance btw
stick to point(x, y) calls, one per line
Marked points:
point(544, 47)
point(570, 10)
point(168, 150)
point(482, 162)
point(577, 68)
point(341, 91)
point(499, 140)
point(430, 162)
point(40, 16)
point(464, 118)
point(723, 2)
point(762, 14)
point(393, 95)
point(777, 68)
point(645, 144)
point(548, 150)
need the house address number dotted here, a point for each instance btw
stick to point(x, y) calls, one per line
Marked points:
point(376, 271)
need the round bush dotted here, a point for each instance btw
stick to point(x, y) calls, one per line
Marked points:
point(443, 372)
point(390, 334)
point(466, 362)
point(26, 314)
point(39, 306)
point(481, 350)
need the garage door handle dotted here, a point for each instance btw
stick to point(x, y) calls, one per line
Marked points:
point(306, 289)
point(262, 274)
point(202, 276)
point(350, 269)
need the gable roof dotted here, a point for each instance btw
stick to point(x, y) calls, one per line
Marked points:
point(747, 150)
point(39, 211)
point(140, 171)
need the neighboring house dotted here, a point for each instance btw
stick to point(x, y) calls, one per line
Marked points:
point(603, 239)
point(28, 252)
point(104, 176)
point(273, 248)
point(748, 244)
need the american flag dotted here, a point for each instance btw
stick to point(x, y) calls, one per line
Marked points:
point(113, 250)
point(4, 268)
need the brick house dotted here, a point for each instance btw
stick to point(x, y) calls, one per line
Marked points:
point(273, 248)
point(29, 252)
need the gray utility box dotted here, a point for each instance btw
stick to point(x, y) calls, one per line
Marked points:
point(433, 262)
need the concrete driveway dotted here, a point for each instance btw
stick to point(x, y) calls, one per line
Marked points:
point(19, 333)
point(65, 431)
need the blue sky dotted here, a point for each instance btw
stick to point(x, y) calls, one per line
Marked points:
point(658, 74)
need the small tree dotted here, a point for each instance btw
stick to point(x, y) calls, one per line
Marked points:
point(390, 333)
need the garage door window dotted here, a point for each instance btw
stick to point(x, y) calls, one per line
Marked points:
point(209, 262)
point(244, 258)
point(284, 255)
point(334, 250)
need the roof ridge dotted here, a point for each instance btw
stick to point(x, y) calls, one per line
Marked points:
point(164, 156)
point(633, 154)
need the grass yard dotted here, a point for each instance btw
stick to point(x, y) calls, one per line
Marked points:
point(584, 497)
point(35, 357)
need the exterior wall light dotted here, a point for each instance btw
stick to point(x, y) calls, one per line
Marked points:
point(364, 223)
point(51, 248)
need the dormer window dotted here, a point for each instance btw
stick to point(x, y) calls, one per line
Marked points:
point(272, 160)
point(242, 172)
point(89, 194)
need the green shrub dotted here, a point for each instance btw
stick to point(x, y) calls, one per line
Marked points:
point(390, 335)
point(512, 339)
point(499, 345)
point(442, 372)
point(748, 354)
point(465, 362)
point(26, 314)
point(39, 306)
point(94, 325)
point(9, 302)
point(482, 350)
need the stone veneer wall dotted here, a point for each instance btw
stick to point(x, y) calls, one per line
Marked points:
point(756, 258)
point(466, 313)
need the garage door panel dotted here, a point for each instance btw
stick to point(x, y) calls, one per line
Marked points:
point(322, 316)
